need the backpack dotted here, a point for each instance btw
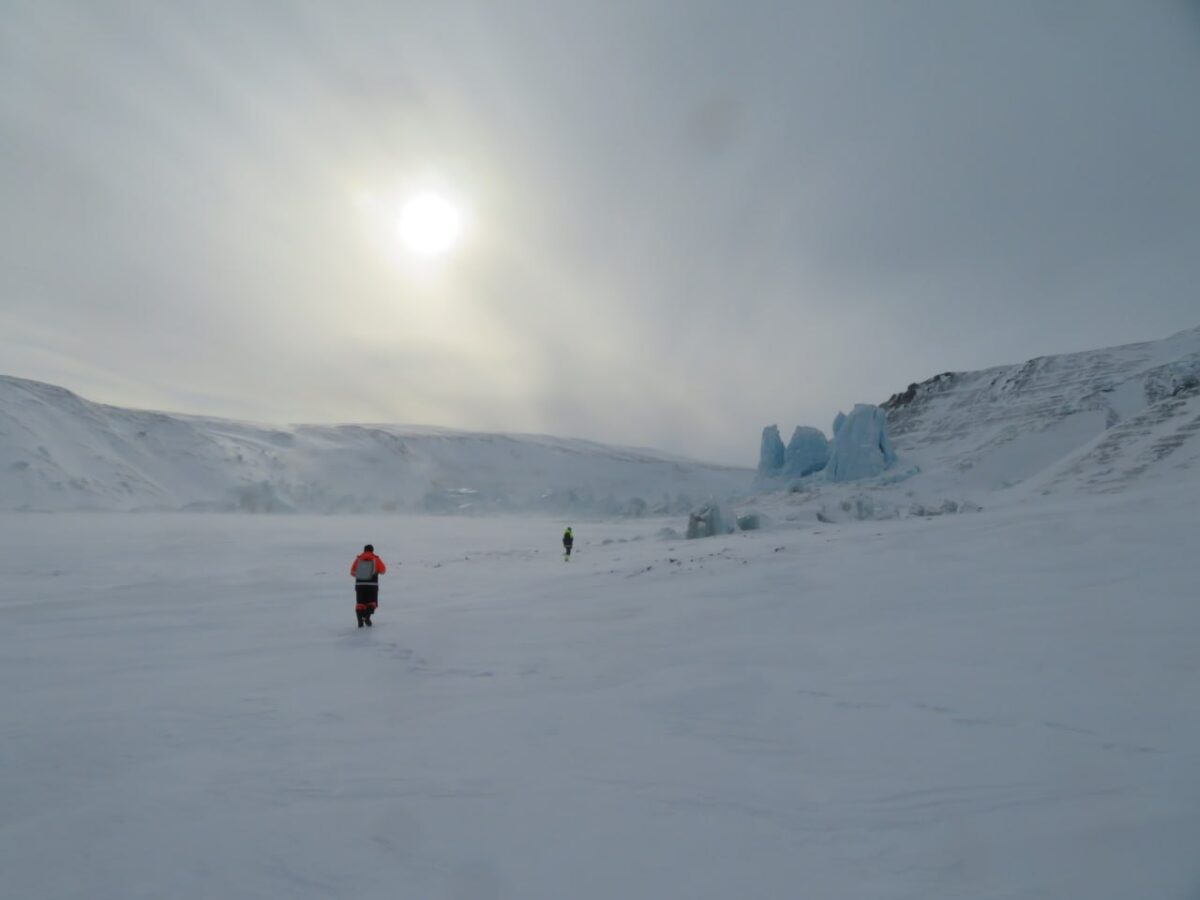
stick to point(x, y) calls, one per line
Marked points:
point(364, 570)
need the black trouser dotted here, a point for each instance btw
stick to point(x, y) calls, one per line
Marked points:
point(366, 598)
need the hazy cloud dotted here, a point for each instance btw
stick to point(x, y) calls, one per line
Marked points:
point(689, 219)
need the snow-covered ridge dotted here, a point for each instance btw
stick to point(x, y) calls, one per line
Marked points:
point(59, 451)
point(1099, 421)
point(1095, 420)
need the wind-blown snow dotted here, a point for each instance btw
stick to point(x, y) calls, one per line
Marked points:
point(999, 705)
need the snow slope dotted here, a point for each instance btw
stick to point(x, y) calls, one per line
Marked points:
point(1098, 422)
point(61, 452)
point(992, 706)
point(1090, 421)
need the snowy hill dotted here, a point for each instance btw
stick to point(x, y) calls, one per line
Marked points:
point(1094, 421)
point(61, 452)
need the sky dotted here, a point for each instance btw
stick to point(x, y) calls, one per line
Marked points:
point(682, 221)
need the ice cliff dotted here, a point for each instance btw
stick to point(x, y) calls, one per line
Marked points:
point(860, 449)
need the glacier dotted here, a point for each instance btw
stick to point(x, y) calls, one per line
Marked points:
point(807, 452)
point(771, 453)
point(861, 448)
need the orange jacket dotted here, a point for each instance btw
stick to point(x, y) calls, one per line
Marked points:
point(380, 568)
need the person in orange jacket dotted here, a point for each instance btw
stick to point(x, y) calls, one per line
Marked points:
point(366, 569)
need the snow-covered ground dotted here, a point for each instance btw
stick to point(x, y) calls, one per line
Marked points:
point(996, 705)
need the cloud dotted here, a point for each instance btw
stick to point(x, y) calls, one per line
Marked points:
point(690, 219)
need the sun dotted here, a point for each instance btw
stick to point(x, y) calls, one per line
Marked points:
point(429, 224)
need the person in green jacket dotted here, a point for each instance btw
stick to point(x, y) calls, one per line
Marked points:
point(568, 542)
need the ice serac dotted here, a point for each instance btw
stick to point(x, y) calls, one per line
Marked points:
point(861, 448)
point(807, 452)
point(771, 454)
point(708, 521)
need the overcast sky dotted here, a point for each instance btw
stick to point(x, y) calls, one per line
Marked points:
point(685, 220)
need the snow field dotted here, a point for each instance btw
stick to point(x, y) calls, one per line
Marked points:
point(996, 705)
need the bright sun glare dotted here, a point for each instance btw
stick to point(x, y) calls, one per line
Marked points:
point(429, 225)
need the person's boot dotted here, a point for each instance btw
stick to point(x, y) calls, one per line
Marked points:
point(368, 621)
point(360, 621)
